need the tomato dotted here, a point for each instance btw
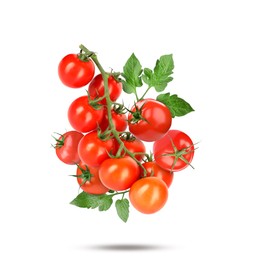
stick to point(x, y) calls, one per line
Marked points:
point(174, 152)
point(119, 173)
point(67, 147)
point(154, 170)
point(93, 150)
point(134, 145)
point(89, 181)
point(75, 73)
point(96, 88)
point(119, 121)
point(150, 120)
point(148, 195)
point(83, 117)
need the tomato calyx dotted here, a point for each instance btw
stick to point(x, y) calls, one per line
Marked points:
point(137, 114)
point(95, 103)
point(85, 174)
point(119, 108)
point(179, 154)
point(59, 142)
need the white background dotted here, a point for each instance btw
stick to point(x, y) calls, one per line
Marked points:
point(212, 211)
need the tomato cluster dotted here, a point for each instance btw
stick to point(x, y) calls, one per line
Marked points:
point(107, 143)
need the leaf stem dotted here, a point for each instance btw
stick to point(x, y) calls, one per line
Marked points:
point(142, 97)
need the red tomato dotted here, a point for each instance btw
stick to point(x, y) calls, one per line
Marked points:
point(67, 147)
point(96, 88)
point(148, 195)
point(154, 170)
point(119, 121)
point(119, 173)
point(174, 151)
point(83, 117)
point(75, 73)
point(93, 150)
point(89, 181)
point(150, 120)
point(134, 145)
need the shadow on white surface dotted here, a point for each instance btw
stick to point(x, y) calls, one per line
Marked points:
point(127, 247)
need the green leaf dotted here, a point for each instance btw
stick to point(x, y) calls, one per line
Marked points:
point(161, 75)
point(86, 200)
point(132, 75)
point(177, 106)
point(122, 208)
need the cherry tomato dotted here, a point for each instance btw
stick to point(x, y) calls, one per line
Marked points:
point(83, 117)
point(134, 145)
point(148, 195)
point(154, 170)
point(93, 150)
point(150, 120)
point(96, 88)
point(89, 181)
point(67, 147)
point(119, 173)
point(119, 121)
point(174, 152)
point(75, 73)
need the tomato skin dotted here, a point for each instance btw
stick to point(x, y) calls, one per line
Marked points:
point(83, 117)
point(93, 151)
point(68, 151)
point(119, 121)
point(154, 170)
point(96, 88)
point(94, 186)
point(119, 173)
point(75, 73)
point(134, 146)
point(148, 195)
point(157, 120)
point(164, 146)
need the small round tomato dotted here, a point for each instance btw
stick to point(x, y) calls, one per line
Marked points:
point(148, 195)
point(83, 117)
point(154, 170)
point(174, 152)
point(67, 147)
point(134, 145)
point(93, 150)
point(119, 121)
point(119, 173)
point(89, 181)
point(96, 88)
point(74, 72)
point(149, 120)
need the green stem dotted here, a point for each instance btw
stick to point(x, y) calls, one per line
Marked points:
point(118, 193)
point(142, 97)
point(113, 130)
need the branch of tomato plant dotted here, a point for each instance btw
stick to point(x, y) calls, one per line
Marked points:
point(113, 130)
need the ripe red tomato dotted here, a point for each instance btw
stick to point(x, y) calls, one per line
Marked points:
point(154, 170)
point(119, 173)
point(96, 88)
point(174, 152)
point(83, 117)
point(93, 150)
point(119, 121)
point(89, 181)
point(67, 147)
point(148, 195)
point(134, 145)
point(150, 120)
point(75, 73)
